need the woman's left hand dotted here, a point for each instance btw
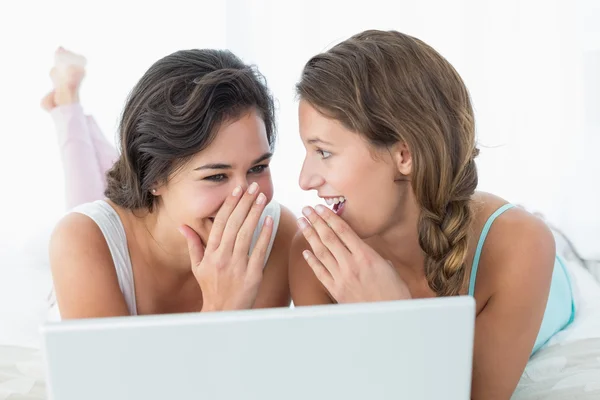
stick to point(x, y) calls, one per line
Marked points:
point(348, 268)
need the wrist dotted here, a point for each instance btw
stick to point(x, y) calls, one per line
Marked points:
point(209, 308)
point(405, 294)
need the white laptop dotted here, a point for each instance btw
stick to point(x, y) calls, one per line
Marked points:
point(417, 349)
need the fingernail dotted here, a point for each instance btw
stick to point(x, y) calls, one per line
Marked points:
point(306, 211)
point(306, 254)
point(261, 198)
point(302, 224)
point(252, 188)
point(269, 220)
point(237, 191)
point(320, 209)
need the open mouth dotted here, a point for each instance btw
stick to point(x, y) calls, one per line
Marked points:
point(337, 203)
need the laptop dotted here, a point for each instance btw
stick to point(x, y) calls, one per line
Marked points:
point(412, 349)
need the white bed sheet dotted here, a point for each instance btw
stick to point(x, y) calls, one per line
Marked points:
point(568, 367)
point(569, 371)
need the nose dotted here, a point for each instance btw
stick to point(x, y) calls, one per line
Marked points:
point(241, 182)
point(309, 178)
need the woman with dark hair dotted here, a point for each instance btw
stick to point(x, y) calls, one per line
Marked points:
point(188, 223)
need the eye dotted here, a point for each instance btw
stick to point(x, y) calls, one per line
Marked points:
point(216, 178)
point(324, 154)
point(258, 169)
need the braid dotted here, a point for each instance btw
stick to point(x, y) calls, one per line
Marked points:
point(443, 235)
point(393, 88)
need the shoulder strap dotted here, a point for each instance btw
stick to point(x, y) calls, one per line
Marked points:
point(484, 233)
point(274, 210)
point(112, 228)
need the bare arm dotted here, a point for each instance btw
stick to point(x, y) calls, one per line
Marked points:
point(275, 290)
point(83, 271)
point(516, 267)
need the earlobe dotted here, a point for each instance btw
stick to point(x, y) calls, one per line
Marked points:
point(403, 160)
point(156, 189)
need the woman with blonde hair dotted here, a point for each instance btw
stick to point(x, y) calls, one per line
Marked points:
point(389, 133)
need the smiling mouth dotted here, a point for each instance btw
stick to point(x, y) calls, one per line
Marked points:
point(338, 207)
point(336, 203)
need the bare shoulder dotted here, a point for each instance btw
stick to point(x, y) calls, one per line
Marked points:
point(83, 271)
point(74, 236)
point(298, 245)
point(305, 287)
point(511, 291)
point(75, 226)
point(519, 245)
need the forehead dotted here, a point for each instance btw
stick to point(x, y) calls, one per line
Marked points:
point(314, 125)
point(237, 141)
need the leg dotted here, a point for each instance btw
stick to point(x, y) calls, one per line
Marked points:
point(85, 153)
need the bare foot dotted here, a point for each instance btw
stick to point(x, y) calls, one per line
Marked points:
point(66, 75)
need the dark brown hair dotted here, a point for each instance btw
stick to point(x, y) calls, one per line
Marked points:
point(175, 111)
point(390, 88)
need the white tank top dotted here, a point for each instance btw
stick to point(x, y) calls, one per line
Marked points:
point(111, 226)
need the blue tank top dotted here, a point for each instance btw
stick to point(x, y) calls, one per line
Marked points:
point(560, 308)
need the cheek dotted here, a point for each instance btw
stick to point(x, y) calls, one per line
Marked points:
point(348, 180)
point(265, 183)
point(196, 203)
point(192, 204)
point(372, 199)
point(206, 203)
point(385, 202)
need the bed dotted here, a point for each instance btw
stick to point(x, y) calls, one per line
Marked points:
point(568, 367)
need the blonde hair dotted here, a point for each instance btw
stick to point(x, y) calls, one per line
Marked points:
point(391, 87)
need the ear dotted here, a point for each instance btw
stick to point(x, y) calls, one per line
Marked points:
point(403, 159)
point(157, 189)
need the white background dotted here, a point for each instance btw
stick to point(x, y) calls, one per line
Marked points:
point(532, 67)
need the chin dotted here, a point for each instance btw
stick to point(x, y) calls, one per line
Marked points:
point(202, 227)
point(364, 227)
point(360, 229)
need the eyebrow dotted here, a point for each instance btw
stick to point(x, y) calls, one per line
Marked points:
point(264, 157)
point(318, 140)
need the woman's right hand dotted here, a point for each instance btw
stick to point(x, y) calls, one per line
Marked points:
point(228, 276)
